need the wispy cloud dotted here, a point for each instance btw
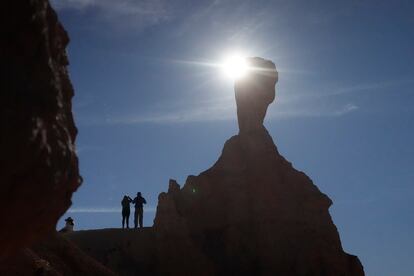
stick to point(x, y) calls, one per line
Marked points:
point(368, 87)
point(219, 112)
point(373, 86)
point(346, 109)
point(224, 108)
point(218, 109)
point(104, 210)
point(203, 111)
point(142, 13)
point(288, 112)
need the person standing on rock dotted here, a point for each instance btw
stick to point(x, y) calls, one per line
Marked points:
point(68, 226)
point(139, 202)
point(125, 211)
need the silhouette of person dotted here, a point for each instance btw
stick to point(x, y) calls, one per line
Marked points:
point(68, 225)
point(139, 209)
point(125, 211)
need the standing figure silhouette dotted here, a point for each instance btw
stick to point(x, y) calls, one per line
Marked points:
point(139, 209)
point(125, 211)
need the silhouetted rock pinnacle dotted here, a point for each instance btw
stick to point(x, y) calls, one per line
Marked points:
point(254, 93)
point(251, 213)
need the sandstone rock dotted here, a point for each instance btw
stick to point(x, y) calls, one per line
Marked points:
point(173, 186)
point(252, 213)
point(125, 251)
point(254, 93)
point(54, 256)
point(176, 252)
point(38, 163)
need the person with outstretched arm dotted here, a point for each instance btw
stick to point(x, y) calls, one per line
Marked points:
point(139, 202)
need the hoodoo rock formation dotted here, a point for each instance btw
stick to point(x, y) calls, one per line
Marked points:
point(38, 163)
point(252, 213)
point(254, 93)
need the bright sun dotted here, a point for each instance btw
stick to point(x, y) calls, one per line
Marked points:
point(235, 67)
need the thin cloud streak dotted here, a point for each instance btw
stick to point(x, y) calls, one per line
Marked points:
point(310, 113)
point(209, 113)
point(224, 109)
point(216, 111)
point(346, 109)
point(219, 113)
point(141, 13)
point(371, 86)
point(359, 88)
point(352, 89)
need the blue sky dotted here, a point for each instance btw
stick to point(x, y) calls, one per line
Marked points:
point(148, 110)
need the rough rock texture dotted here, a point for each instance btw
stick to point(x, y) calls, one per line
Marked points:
point(52, 257)
point(252, 213)
point(38, 164)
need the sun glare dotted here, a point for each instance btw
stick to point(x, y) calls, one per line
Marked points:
point(235, 67)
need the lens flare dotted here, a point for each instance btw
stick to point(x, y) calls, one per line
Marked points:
point(235, 67)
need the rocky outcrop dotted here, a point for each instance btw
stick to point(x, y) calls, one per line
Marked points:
point(38, 164)
point(125, 251)
point(252, 213)
point(54, 256)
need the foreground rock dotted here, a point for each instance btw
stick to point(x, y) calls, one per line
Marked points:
point(252, 213)
point(125, 251)
point(53, 257)
point(38, 164)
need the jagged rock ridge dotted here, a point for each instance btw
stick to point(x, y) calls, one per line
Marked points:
point(252, 213)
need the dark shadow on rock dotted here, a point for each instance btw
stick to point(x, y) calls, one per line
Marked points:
point(38, 163)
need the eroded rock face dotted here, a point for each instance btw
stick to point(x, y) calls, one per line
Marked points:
point(252, 213)
point(38, 164)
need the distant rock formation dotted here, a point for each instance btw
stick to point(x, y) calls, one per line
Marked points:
point(38, 163)
point(251, 213)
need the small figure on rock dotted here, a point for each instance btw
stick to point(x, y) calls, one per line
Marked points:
point(139, 202)
point(125, 210)
point(68, 226)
